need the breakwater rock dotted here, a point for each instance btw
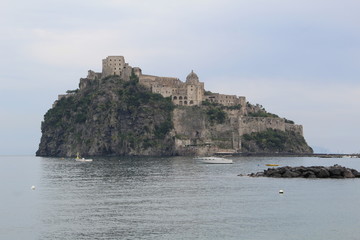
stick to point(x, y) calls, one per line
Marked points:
point(335, 171)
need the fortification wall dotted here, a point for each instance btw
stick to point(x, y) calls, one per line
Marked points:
point(163, 90)
point(168, 81)
point(226, 100)
point(126, 72)
point(147, 80)
point(294, 128)
point(194, 132)
point(113, 65)
point(259, 124)
point(93, 75)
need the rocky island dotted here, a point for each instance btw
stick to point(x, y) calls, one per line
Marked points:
point(335, 171)
point(122, 111)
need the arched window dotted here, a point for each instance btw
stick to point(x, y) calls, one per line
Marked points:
point(185, 97)
point(175, 98)
point(181, 102)
point(180, 97)
point(185, 102)
point(191, 102)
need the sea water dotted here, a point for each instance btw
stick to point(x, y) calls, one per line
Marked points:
point(173, 198)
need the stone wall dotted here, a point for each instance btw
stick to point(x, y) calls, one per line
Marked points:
point(188, 93)
point(113, 65)
point(294, 128)
point(195, 134)
point(259, 124)
point(93, 75)
point(182, 93)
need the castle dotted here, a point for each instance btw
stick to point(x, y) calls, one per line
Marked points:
point(190, 130)
point(188, 93)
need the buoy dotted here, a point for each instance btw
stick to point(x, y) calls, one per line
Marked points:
point(281, 191)
point(32, 187)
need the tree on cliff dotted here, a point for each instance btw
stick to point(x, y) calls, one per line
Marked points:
point(108, 117)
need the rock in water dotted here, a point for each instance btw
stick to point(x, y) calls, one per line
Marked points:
point(117, 113)
point(335, 171)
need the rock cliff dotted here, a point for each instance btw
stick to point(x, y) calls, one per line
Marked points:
point(335, 171)
point(110, 116)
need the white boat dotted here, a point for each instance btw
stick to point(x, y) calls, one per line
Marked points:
point(78, 159)
point(214, 160)
point(83, 160)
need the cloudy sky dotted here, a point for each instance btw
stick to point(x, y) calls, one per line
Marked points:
point(300, 59)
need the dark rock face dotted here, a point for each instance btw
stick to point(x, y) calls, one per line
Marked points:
point(274, 141)
point(335, 171)
point(112, 117)
point(108, 117)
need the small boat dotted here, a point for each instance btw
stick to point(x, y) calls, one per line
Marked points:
point(83, 160)
point(78, 159)
point(272, 165)
point(214, 160)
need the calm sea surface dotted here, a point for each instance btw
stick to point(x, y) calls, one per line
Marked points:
point(173, 198)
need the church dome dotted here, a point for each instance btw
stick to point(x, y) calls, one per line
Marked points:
point(192, 78)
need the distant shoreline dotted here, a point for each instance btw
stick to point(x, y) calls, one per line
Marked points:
point(320, 155)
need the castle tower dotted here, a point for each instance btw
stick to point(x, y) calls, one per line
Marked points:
point(192, 78)
point(113, 65)
point(194, 89)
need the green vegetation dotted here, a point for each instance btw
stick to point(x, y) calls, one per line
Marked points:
point(270, 139)
point(258, 111)
point(212, 104)
point(62, 110)
point(235, 107)
point(163, 128)
point(262, 114)
point(215, 112)
point(218, 105)
point(72, 91)
point(111, 116)
point(216, 115)
point(118, 116)
point(289, 121)
point(273, 141)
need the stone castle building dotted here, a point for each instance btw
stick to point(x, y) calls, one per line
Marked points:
point(189, 93)
point(192, 134)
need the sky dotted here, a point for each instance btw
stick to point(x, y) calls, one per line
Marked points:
point(299, 59)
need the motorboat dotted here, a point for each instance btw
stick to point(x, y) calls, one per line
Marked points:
point(78, 159)
point(272, 165)
point(83, 160)
point(213, 160)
